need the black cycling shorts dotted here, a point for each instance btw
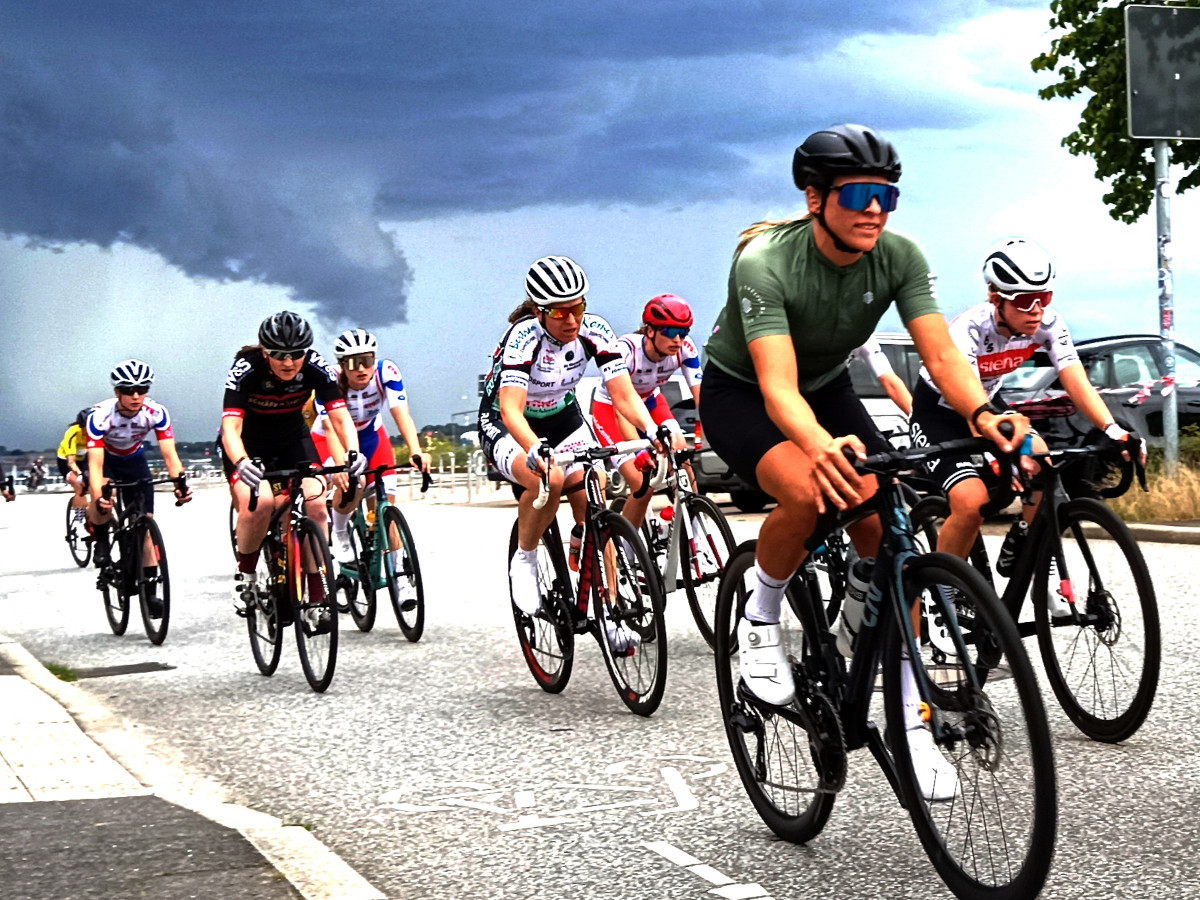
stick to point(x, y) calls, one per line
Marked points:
point(289, 455)
point(737, 427)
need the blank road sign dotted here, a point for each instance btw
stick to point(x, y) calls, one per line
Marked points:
point(1163, 69)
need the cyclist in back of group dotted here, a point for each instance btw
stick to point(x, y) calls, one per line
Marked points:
point(263, 429)
point(369, 387)
point(529, 400)
point(872, 356)
point(116, 430)
point(71, 459)
point(778, 405)
point(997, 337)
point(655, 352)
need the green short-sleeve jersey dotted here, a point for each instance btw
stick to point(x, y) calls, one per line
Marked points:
point(781, 283)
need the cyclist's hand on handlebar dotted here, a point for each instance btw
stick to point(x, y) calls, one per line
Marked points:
point(834, 473)
point(356, 463)
point(341, 481)
point(249, 473)
point(182, 493)
point(533, 460)
point(1115, 432)
point(664, 439)
point(990, 429)
point(419, 462)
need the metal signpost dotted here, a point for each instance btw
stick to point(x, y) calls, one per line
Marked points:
point(1163, 78)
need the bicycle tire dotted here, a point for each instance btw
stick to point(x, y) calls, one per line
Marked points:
point(772, 754)
point(78, 540)
point(402, 572)
point(262, 616)
point(156, 587)
point(316, 618)
point(114, 585)
point(714, 545)
point(992, 832)
point(233, 517)
point(547, 638)
point(360, 599)
point(1104, 673)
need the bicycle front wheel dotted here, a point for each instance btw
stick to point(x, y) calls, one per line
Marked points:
point(1104, 668)
point(315, 607)
point(152, 578)
point(360, 586)
point(702, 559)
point(772, 753)
point(78, 539)
point(114, 585)
point(548, 637)
point(973, 759)
point(402, 571)
point(262, 614)
point(628, 606)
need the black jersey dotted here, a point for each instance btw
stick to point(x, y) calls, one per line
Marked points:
point(272, 410)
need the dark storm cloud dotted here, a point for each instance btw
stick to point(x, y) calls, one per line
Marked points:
point(265, 141)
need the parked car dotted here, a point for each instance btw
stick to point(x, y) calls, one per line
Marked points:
point(1127, 371)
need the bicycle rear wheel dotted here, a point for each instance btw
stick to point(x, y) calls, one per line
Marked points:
point(1103, 670)
point(262, 616)
point(548, 637)
point(78, 539)
point(702, 559)
point(360, 587)
point(774, 757)
point(402, 571)
point(984, 802)
point(628, 608)
point(115, 587)
point(315, 608)
point(154, 590)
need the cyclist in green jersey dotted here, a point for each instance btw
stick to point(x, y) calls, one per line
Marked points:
point(778, 405)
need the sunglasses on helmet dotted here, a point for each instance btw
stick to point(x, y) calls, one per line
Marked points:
point(561, 312)
point(285, 355)
point(358, 361)
point(857, 195)
point(132, 390)
point(1025, 301)
point(674, 331)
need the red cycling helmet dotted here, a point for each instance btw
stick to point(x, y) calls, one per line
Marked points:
point(667, 311)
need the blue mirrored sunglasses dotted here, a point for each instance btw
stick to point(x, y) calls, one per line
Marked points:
point(858, 195)
point(674, 331)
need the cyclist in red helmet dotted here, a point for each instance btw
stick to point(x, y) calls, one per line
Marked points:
point(653, 353)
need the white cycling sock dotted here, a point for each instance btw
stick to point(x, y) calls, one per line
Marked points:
point(528, 557)
point(766, 600)
point(909, 696)
point(341, 522)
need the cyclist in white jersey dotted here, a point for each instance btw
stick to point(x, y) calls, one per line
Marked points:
point(370, 386)
point(997, 337)
point(529, 400)
point(872, 355)
point(116, 429)
point(659, 349)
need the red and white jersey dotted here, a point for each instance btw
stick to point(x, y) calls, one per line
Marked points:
point(117, 433)
point(648, 375)
point(384, 391)
point(994, 355)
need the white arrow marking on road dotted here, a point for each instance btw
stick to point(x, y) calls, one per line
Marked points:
point(728, 888)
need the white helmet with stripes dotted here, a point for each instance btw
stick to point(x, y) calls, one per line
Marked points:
point(131, 373)
point(555, 279)
point(354, 341)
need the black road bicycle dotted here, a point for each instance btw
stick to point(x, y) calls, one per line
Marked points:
point(79, 536)
point(616, 579)
point(994, 835)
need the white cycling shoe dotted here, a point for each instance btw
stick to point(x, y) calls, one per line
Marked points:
point(764, 666)
point(343, 552)
point(523, 580)
point(936, 776)
point(622, 639)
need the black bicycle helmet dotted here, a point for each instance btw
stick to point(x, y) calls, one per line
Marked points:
point(285, 331)
point(843, 150)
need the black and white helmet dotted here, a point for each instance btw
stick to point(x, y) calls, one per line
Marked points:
point(131, 373)
point(1017, 265)
point(354, 341)
point(555, 279)
point(285, 331)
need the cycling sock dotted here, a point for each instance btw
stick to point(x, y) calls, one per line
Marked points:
point(909, 697)
point(766, 600)
point(247, 562)
point(100, 533)
point(529, 557)
point(316, 587)
point(149, 573)
point(341, 522)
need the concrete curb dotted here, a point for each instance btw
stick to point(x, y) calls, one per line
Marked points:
point(314, 870)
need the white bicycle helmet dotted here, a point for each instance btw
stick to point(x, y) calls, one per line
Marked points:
point(131, 373)
point(354, 341)
point(1015, 265)
point(555, 279)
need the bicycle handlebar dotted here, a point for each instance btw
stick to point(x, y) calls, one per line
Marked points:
point(300, 472)
point(586, 455)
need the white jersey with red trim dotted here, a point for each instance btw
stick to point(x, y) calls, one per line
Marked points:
point(122, 435)
point(648, 375)
point(994, 355)
point(876, 360)
point(366, 406)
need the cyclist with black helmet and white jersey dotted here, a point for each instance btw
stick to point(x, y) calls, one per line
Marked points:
point(263, 428)
point(997, 337)
point(653, 353)
point(370, 386)
point(529, 400)
point(116, 429)
point(778, 405)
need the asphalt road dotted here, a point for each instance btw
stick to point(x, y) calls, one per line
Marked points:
point(440, 770)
